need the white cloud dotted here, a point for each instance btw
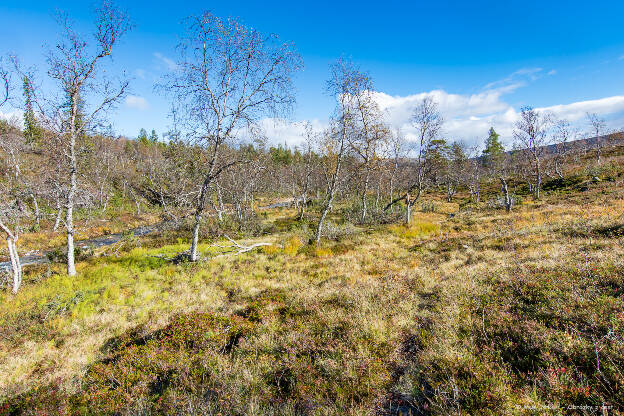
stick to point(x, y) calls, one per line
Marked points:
point(552, 72)
point(279, 131)
point(136, 102)
point(14, 117)
point(516, 79)
point(169, 63)
point(467, 117)
point(141, 73)
point(578, 111)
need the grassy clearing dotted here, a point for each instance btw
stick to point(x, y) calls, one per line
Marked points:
point(480, 313)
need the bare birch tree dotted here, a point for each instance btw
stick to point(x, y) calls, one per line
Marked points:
point(346, 82)
point(531, 134)
point(597, 126)
point(227, 78)
point(428, 122)
point(456, 169)
point(77, 65)
point(397, 149)
point(368, 137)
point(12, 192)
point(563, 133)
point(309, 163)
point(8, 212)
point(474, 173)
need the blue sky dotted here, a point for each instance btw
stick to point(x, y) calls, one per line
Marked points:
point(482, 60)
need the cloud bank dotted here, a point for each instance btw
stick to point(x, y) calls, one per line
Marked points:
point(468, 117)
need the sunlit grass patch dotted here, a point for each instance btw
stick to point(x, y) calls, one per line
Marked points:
point(322, 252)
point(417, 229)
point(292, 246)
point(271, 250)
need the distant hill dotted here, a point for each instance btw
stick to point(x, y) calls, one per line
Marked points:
point(607, 140)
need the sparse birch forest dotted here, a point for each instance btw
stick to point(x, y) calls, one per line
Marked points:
point(364, 271)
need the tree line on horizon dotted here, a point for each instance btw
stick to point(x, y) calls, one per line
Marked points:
point(228, 77)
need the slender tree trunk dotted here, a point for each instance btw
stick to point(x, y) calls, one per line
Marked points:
point(474, 192)
point(304, 196)
point(208, 179)
point(73, 173)
point(198, 218)
point(219, 201)
point(331, 193)
point(392, 190)
point(59, 213)
point(303, 206)
point(195, 242)
point(505, 189)
point(408, 214)
point(558, 170)
point(71, 266)
point(364, 202)
point(475, 185)
point(319, 228)
point(538, 185)
point(378, 194)
point(136, 201)
point(36, 205)
point(162, 201)
point(16, 266)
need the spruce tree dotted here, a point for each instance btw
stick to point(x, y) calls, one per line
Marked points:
point(32, 131)
point(494, 149)
point(142, 137)
point(153, 136)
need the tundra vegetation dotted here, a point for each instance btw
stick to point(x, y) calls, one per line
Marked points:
point(358, 273)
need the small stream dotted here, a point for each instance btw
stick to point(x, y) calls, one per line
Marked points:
point(41, 257)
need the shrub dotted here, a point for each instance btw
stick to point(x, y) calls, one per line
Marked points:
point(605, 172)
point(291, 247)
point(562, 183)
point(334, 231)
